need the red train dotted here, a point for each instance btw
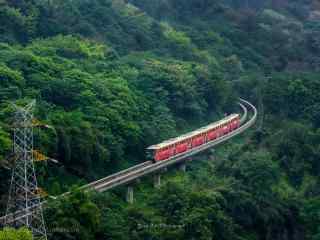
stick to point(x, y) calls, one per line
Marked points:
point(194, 139)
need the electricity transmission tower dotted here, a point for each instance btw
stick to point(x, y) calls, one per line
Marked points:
point(24, 204)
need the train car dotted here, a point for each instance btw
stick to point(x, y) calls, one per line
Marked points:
point(198, 140)
point(182, 144)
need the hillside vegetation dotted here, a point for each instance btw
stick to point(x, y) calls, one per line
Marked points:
point(113, 77)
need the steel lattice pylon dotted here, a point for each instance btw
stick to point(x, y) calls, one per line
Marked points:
point(24, 204)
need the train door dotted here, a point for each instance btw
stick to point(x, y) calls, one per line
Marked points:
point(211, 135)
point(219, 131)
point(225, 128)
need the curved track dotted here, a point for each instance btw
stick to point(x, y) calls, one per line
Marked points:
point(150, 168)
point(140, 170)
point(245, 113)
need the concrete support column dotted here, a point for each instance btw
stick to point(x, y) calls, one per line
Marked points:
point(213, 155)
point(183, 167)
point(157, 180)
point(129, 196)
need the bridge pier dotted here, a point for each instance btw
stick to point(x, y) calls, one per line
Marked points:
point(129, 196)
point(183, 167)
point(157, 180)
point(212, 154)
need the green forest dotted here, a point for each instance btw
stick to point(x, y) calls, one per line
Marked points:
point(112, 77)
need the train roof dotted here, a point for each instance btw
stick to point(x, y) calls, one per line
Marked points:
point(193, 133)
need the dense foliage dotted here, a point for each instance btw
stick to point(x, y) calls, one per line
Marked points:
point(113, 77)
point(11, 234)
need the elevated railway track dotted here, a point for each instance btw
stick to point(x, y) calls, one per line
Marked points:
point(148, 167)
point(131, 174)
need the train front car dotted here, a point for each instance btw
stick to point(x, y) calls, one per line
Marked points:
point(161, 151)
point(150, 154)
